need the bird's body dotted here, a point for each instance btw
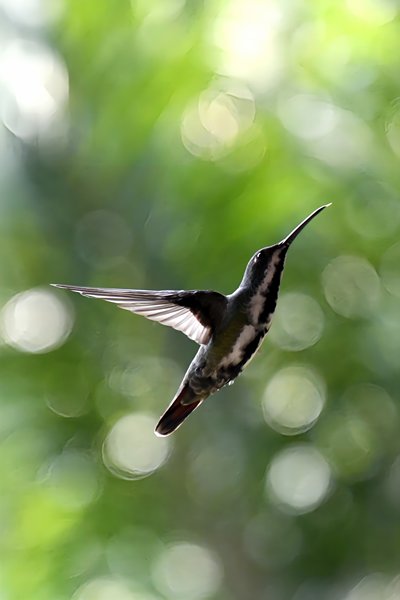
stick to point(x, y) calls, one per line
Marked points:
point(244, 324)
point(229, 328)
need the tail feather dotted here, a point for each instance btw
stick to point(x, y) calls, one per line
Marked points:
point(182, 405)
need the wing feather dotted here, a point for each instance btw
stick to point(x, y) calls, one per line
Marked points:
point(177, 309)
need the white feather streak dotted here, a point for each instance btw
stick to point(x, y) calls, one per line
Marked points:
point(257, 302)
point(236, 354)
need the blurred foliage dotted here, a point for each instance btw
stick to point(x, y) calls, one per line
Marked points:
point(158, 144)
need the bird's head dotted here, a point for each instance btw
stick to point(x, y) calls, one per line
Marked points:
point(269, 260)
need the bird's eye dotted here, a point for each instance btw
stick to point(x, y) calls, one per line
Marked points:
point(257, 256)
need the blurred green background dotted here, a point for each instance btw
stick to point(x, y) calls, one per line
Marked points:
point(158, 144)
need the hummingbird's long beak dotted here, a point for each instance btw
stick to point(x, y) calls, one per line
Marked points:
point(293, 235)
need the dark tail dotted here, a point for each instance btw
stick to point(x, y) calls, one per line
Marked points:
point(182, 405)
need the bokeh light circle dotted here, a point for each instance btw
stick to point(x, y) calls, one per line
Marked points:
point(298, 322)
point(131, 450)
point(211, 125)
point(306, 116)
point(354, 438)
point(293, 400)
point(347, 145)
point(298, 479)
point(246, 34)
point(36, 321)
point(33, 13)
point(351, 286)
point(187, 572)
point(375, 212)
point(72, 480)
point(36, 81)
point(70, 400)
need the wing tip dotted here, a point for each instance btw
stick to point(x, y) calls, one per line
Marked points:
point(70, 288)
point(62, 286)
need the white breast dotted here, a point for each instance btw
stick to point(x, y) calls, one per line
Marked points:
point(236, 354)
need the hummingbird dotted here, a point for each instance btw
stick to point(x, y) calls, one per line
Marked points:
point(228, 328)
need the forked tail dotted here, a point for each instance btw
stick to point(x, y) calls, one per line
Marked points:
point(182, 405)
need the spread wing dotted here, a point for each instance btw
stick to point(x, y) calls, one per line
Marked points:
point(195, 313)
